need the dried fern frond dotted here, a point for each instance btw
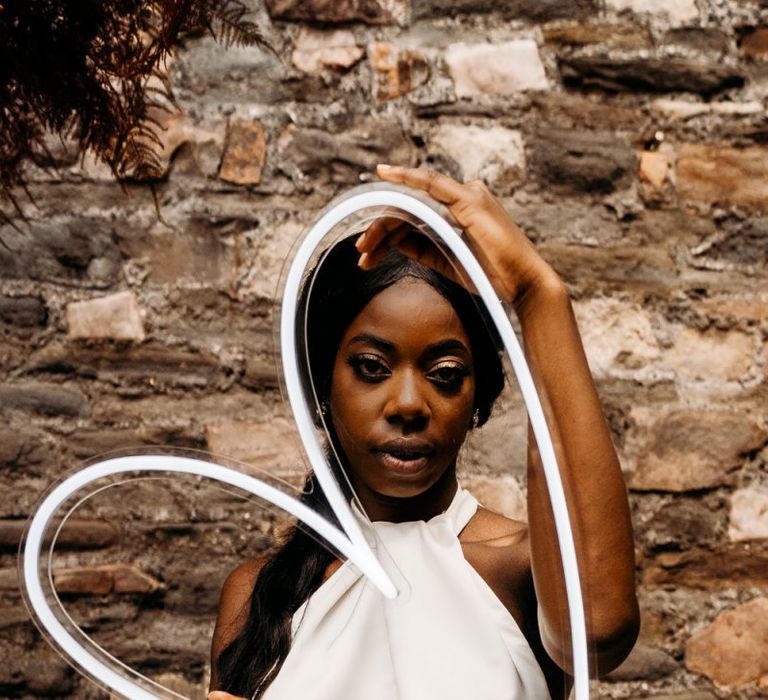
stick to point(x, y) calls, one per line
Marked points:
point(92, 70)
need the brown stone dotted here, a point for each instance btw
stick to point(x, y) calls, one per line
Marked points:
point(619, 35)
point(690, 449)
point(754, 43)
point(720, 174)
point(152, 363)
point(316, 49)
point(396, 71)
point(24, 311)
point(44, 399)
point(271, 446)
point(649, 74)
point(244, 153)
point(499, 69)
point(338, 11)
point(501, 494)
point(731, 651)
point(342, 157)
point(749, 514)
point(589, 161)
point(644, 663)
point(653, 168)
point(117, 317)
point(711, 356)
point(77, 533)
point(102, 580)
point(731, 565)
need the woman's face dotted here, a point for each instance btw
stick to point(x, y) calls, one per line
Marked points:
point(402, 391)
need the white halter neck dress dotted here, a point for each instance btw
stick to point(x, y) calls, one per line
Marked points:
point(445, 637)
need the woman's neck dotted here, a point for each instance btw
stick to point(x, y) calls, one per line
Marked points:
point(426, 505)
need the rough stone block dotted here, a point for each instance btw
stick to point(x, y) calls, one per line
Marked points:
point(490, 153)
point(731, 566)
point(683, 109)
point(244, 153)
point(682, 523)
point(689, 449)
point(721, 174)
point(396, 71)
point(116, 317)
point(700, 39)
point(499, 69)
point(44, 399)
point(711, 356)
point(649, 74)
point(618, 35)
point(22, 445)
point(340, 158)
point(501, 494)
point(24, 311)
point(77, 533)
point(338, 11)
point(654, 166)
point(316, 49)
point(677, 11)
point(731, 651)
point(583, 161)
point(754, 43)
point(618, 337)
point(749, 514)
point(151, 364)
point(271, 446)
point(102, 580)
point(72, 251)
point(644, 663)
point(538, 10)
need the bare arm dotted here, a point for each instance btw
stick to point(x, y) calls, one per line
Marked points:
point(234, 603)
point(588, 463)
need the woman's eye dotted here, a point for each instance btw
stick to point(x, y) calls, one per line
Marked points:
point(448, 374)
point(368, 368)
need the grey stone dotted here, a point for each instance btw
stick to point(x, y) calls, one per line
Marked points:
point(583, 161)
point(699, 38)
point(70, 250)
point(538, 10)
point(44, 399)
point(23, 311)
point(341, 158)
point(644, 663)
point(650, 74)
point(22, 446)
point(335, 11)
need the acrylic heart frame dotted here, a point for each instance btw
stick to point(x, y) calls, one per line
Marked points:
point(349, 540)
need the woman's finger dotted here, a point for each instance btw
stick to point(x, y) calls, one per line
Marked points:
point(386, 240)
point(376, 232)
point(440, 187)
point(221, 695)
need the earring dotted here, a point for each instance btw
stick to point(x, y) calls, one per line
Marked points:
point(476, 418)
point(324, 408)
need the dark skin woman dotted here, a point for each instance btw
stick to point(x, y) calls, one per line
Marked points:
point(399, 388)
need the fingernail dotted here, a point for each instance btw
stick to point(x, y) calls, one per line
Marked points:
point(363, 260)
point(359, 241)
point(383, 167)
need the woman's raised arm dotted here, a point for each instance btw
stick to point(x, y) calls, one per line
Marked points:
point(589, 467)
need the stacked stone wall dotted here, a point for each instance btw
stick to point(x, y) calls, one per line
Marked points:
point(628, 138)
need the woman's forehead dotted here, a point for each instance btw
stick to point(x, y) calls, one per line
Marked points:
point(409, 311)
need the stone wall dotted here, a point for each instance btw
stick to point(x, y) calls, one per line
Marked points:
point(628, 137)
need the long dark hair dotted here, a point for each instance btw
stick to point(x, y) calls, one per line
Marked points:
point(340, 290)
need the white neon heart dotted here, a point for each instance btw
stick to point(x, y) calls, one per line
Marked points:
point(349, 540)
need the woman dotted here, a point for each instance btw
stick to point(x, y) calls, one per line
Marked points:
point(399, 400)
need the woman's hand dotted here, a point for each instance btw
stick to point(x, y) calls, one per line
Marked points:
point(511, 261)
point(221, 695)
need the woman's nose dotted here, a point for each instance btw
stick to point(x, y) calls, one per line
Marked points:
point(406, 402)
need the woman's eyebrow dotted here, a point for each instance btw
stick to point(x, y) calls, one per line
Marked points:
point(447, 345)
point(380, 343)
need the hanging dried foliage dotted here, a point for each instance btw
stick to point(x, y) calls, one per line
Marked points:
point(91, 71)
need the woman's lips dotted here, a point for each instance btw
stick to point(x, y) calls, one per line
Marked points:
point(405, 455)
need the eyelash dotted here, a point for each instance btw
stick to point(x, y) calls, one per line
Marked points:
point(372, 369)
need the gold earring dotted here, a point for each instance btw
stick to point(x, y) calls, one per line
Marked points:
point(476, 418)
